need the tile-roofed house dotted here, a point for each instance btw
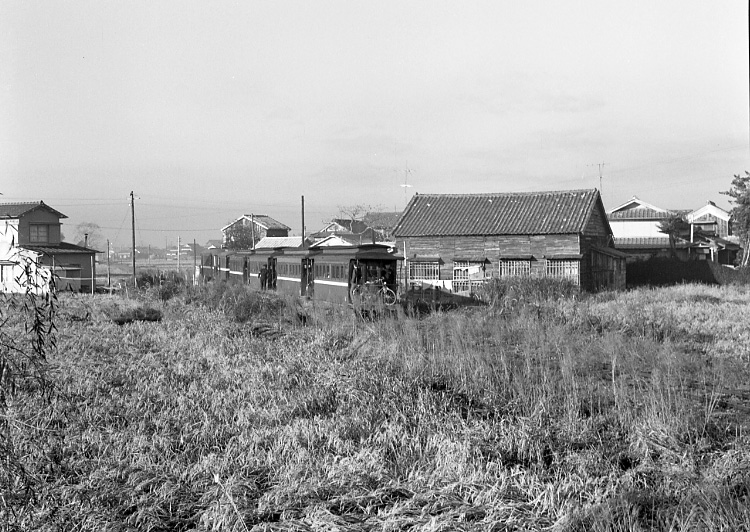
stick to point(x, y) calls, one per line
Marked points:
point(457, 240)
point(30, 241)
point(248, 229)
point(635, 225)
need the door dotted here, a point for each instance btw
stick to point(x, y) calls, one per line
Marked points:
point(307, 279)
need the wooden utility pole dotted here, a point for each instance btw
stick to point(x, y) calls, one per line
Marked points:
point(132, 220)
point(109, 271)
point(178, 255)
point(252, 229)
point(195, 263)
point(303, 220)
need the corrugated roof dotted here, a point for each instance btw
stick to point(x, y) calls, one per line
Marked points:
point(529, 213)
point(14, 210)
point(272, 242)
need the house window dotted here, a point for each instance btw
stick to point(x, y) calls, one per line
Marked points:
point(515, 268)
point(424, 270)
point(563, 269)
point(467, 274)
point(38, 233)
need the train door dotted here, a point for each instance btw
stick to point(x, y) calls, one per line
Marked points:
point(307, 279)
point(271, 273)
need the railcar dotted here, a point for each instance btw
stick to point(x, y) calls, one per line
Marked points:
point(339, 274)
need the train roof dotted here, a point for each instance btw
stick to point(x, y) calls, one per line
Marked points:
point(363, 251)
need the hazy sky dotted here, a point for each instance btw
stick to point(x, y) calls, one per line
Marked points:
point(208, 110)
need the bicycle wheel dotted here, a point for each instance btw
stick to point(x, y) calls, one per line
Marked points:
point(389, 296)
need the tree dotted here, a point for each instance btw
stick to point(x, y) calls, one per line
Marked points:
point(240, 236)
point(740, 194)
point(94, 232)
point(673, 226)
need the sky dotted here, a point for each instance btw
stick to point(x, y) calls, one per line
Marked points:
point(211, 110)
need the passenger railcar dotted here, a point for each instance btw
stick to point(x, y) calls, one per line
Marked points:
point(336, 274)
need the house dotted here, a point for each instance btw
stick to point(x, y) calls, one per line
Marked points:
point(635, 226)
point(248, 229)
point(711, 234)
point(707, 236)
point(356, 231)
point(214, 244)
point(711, 220)
point(383, 223)
point(456, 241)
point(373, 227)
point(32, 251)
point(187, 251)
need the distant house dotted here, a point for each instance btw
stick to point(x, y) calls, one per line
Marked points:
point(214, 244)
point(373, 227)
point(711, 234)
point(455, 241)
point(635, 225)
point(250, 228)
point(32, 251)
point(383, 223)
point(711, 220)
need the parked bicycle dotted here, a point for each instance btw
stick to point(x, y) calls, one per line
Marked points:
point(373, 291)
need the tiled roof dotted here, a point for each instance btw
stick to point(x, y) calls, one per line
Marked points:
point(531, 213)
point(642, 242)
point(14, 210)
point(260, 219)
point(643, 214)
point(271, 242)
point(62, 247)
point(268, 222)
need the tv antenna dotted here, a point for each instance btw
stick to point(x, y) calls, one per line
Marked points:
point(406, 186)
point(601, 168)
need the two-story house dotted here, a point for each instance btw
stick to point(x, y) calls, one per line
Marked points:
point(32, 252)
point(248, 229)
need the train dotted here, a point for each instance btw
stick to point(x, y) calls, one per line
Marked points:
point(337, 274)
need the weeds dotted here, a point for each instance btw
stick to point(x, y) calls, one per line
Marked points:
point(566, 412)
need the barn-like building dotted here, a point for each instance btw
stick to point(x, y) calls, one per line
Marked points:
point(456, 241)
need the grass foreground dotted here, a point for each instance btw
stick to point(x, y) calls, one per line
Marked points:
point(617, 411)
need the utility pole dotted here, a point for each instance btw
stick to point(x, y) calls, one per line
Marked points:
point(195, 263)
point(109, 271)
point(132, 220)
point(252, 229)
point(178, 255)
point(303, 220)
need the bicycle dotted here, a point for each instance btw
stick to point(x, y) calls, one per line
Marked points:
point(373, 290)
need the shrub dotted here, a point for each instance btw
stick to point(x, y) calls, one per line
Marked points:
point(511, 292)
point(238, 301)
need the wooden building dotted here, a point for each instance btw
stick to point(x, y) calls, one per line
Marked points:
point(32, 252)
point(456, 241)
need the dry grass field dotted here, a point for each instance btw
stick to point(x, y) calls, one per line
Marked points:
point(543, 411)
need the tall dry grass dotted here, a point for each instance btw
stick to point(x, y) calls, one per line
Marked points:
point(611, 412)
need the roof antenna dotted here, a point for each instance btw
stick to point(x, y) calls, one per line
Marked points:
point(601, 167)
point(406, 186)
